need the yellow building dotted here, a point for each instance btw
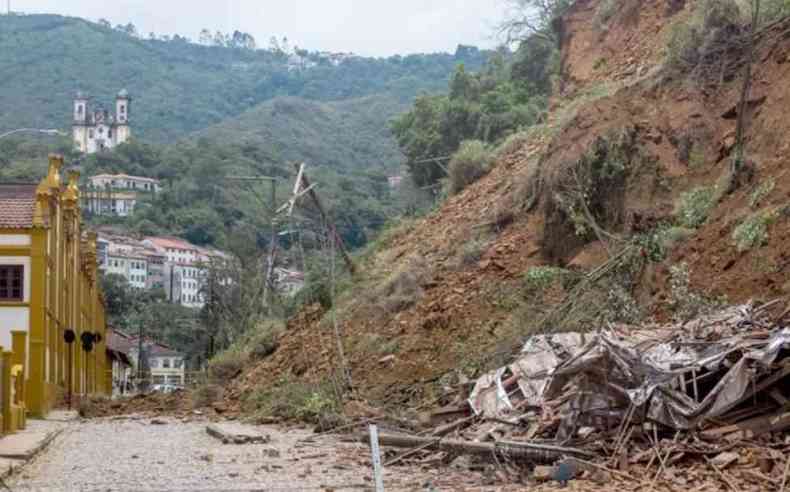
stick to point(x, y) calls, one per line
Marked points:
point(49, 296)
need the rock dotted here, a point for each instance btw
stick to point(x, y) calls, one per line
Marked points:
point(386, 359)
point(220, 407)
point(725, 459)
point(236, 434)
point(116, 405)
point(272, 453)
point(158, 422)
point(543, 473)
point(197, 412)
point(462, 463)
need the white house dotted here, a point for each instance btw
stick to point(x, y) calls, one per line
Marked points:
point(116, 194)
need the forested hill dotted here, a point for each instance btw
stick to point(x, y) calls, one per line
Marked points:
point(179, 86)
point(345, 135)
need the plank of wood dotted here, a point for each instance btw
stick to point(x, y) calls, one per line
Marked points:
point(533, 452)
point(749, 429)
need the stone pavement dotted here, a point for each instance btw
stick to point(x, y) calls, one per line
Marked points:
point(19, 448)
point(144, 454)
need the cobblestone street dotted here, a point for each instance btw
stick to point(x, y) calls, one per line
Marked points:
point(138, 455)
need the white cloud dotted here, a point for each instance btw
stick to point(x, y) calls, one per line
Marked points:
point(367, 27)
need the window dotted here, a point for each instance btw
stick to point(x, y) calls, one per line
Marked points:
point(109, 133)
point(11, 277)
point(153, 363)
point(123, 109)
point(90, 133)
point(166, 363)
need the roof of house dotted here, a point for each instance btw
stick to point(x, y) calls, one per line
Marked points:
point(172, 242)
point(119, 341)
point(123, 176)
point(17, 205)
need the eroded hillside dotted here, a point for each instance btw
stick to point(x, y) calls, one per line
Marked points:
point(616, 209)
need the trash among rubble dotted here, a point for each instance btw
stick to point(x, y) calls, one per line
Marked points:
point(679, 376)
point(707, 395)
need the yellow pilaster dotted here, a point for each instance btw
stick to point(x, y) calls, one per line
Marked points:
point(8, 421)
point(36, 391)
point(19, 355)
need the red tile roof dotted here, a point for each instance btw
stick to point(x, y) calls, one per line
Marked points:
point(173, 243)
point(17, 205)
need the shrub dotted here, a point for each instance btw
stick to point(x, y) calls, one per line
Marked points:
point(753, 231)
point(205, 394)
point(264, 341)
point(469, 164)
point(685, 302)
point(690, 41)
point(694, 206)
point(604, 13)
point(471, 252)
point(539, 278)
point(511, 145)
point(403, 287)
point(295, 400)
point(227, 365)
point(772, 10)
point(761, 192)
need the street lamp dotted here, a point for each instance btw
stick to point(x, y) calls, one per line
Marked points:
point(52, 132)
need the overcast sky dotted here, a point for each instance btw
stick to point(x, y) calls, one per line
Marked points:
point(366, 27)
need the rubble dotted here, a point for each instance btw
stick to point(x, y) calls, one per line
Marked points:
point(708, 394)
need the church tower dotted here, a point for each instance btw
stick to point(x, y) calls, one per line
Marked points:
point(122, 106)
point(80, 124)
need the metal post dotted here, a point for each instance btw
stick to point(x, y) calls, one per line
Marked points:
point(376, 454)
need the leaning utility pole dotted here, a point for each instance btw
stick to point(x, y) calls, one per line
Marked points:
point(302, 187)
point(268, 287)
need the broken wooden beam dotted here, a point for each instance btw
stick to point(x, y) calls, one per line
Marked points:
point(526, 451)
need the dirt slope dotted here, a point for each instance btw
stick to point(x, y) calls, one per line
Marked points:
point(436, 299)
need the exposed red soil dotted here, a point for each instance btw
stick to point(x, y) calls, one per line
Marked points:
point(458, 318)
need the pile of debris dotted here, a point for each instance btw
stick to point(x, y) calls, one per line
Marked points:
point(636, 404)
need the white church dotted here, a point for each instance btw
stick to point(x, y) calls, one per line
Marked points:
point(95, 131)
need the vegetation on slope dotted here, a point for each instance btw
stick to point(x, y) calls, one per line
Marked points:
point(180, 87)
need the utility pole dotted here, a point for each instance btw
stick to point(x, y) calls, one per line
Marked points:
point(303, 183)
point(268, 287)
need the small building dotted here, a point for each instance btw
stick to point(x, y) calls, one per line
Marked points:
point(118, 359)
point(95, 129)
point(163, 364)
point(117, 194)
point(288, 282)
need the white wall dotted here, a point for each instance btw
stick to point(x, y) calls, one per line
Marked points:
point(12, 319)
point(15, 240)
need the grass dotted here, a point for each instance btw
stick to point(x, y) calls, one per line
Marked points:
point(295, 400)
point(694, 206)
point(470, 163)
point(604, 13)
point(761, 192)
point(753, 232)
point(539, 278)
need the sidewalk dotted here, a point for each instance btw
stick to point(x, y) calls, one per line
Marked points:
point(17, 449)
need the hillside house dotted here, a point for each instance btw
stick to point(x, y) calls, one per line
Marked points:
point(117, 194)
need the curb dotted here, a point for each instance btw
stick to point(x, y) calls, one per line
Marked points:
point(17, 461)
